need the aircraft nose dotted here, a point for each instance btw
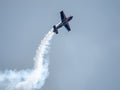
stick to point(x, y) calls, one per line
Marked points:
point(71, 17)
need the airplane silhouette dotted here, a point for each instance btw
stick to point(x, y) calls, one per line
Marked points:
point(64, 22)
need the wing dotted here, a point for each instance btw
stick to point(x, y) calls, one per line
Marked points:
point(67, 26)
point(62, 15)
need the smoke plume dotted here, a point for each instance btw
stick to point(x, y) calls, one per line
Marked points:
point(29, 79)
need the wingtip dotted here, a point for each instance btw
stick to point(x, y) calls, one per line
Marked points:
point(61, 11)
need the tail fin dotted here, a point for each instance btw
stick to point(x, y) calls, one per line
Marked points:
point(55, 29)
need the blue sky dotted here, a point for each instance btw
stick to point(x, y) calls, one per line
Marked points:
point(87, 58)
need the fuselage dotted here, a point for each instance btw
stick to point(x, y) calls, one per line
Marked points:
point(65, 21)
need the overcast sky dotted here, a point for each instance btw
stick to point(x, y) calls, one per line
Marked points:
point(87, 58)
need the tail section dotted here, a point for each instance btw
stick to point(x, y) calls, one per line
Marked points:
point(55, 29)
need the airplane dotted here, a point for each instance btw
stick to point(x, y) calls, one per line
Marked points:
point(64, 22)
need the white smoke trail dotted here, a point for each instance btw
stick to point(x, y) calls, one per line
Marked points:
point(29, 79)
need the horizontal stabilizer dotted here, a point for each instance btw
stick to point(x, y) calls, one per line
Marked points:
point(55, 29)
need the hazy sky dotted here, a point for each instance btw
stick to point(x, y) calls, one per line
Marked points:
point(87, 58)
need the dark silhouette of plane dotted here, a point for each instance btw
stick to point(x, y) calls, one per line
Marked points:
point(64, 22)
